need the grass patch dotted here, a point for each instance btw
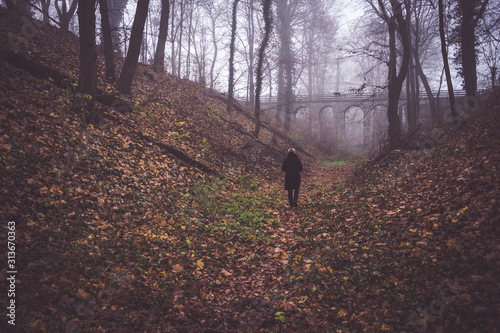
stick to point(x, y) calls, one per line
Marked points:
point(335, 163)
point(237, 208)
point(342, 159)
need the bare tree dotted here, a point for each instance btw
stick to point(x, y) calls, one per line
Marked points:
point(489, 42)
point(66, 12)
point(286, 62)
point(87, 82)
point(214, 12)
point(425, 32)
point(190, 29)
point(444, 51)
point(127, 75)
point(159, 60)
point(315, 40)
point(181, 19)
point(45, 4)
point(107, 41)
point(396, 23)
point(268, 19)
point(250, 29)
point(181, 30)
point(172, 38)
point(472, 12)
point(115, 12)
point(200, 49)
point(230, 91)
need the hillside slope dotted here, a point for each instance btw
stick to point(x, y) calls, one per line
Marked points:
point(177, 134)
point(78, 193)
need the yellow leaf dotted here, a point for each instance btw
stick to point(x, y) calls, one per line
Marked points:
point(200, 264)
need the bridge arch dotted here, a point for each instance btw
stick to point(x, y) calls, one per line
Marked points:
point(328, 123)
point(303, 119)
point(378, 122)
point(354, 116)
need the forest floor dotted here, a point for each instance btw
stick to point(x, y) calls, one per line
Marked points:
point(116, 233)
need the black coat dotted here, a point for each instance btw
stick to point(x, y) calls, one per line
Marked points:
point(292, 166)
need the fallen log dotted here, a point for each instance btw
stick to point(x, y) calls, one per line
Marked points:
point(180, 155)
point(64, 81)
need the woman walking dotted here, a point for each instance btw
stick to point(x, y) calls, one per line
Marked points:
point(292, 168)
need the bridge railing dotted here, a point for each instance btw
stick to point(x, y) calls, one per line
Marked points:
point(342, 97)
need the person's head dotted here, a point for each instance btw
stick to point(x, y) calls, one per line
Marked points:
point(292, 151)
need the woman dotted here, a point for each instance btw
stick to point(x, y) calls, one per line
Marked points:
point(292, 167)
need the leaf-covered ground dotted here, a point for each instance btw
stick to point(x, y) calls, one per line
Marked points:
point(116, 234)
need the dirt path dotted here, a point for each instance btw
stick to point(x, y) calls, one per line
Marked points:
point(263, 284)
point(256, 287)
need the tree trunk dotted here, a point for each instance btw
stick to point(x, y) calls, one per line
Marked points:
point(444, 52)
point(214, 58)
point(230, 91)
point(87, 82)
point(468, 51)
point(268, 19)
point(115, 10)
point(130, 65)
point(394, 91)
point(396, 80)
point(435, 115)
point(468, 46)
point(280, 94)
point(179, 47)
point(419, 73)
point(45, 11)
point(410, 106)
point(251, 37)
point(172, 38)
point(411, 100)
point(310, 52)
point(493, 77)
point(159, 62)
point(188, 56)
point(107, 41)
point(286, 61)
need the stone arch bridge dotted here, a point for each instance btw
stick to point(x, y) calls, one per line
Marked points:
point(348, 121)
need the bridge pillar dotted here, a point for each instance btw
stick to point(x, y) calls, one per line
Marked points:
point(340, 124)
point(367, 115)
